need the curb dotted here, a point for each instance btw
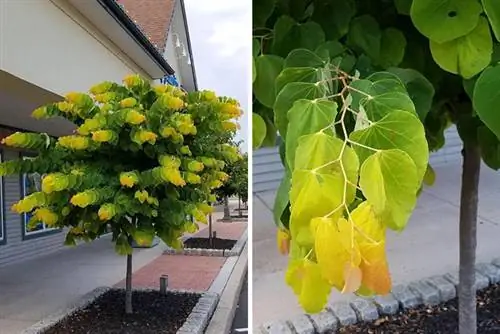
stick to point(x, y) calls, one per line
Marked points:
point(428, 291)
point(235, 251)
point(195, 323)
point(222, 319)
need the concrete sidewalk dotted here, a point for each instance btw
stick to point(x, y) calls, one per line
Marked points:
point(428, 246)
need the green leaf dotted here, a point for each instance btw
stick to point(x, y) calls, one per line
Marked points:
point(392, 50)
point(290, 35)
point(254, 71)
point(144, 236)
point(288, 95)
point(492, 10)
point(390, 182)
point(420, 90)
point(122, 245)
point(376, 84)
point(255, 47)
point(303, 58)
point(467, 55)
point(262, 10)
point(397, 130)
point(270, 139)
point(490, 147)
point(334, 16)
point(445, 20)
point(379, 106)
point(403, 6)
point(430, 176)
point(487, 98)
point(281, 201)
point(330, 49)
point(322, 151)
point(268, 68)
point(306, 117)
point(258, 130)
point(296, 74)
point(365, 36)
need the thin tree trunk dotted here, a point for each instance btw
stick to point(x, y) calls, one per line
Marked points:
point(227, 214)
point(210, 236)
point(128, 286)
point(239, 206)
point(468, 224)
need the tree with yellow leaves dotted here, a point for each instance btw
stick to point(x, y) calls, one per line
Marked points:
point(142, 158)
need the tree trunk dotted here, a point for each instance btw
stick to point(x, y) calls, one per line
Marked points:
point(128, 286)
point(468, 224)
point(227, 214)
point(210, 236)
point(239, 206)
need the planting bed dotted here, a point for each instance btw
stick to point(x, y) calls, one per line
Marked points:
point(204, 243)
point(153, 313)
point(440, 319)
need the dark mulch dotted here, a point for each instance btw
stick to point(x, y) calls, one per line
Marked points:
point(440, 319)
point(153, 313)
point(204, 243)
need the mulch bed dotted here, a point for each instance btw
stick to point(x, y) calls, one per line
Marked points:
point(204, 243)
point(153, 313)
point(439, 319)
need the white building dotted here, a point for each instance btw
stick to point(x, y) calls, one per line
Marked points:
point(51, 47)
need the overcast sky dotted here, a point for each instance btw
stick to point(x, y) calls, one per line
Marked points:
point(220, 32)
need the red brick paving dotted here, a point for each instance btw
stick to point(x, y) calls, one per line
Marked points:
point(184, 272)
point(224, 230)
point(187, 272)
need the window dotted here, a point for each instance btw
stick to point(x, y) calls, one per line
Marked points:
point(30, 183)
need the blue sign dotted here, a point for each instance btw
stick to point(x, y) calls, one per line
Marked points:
point(170, 80)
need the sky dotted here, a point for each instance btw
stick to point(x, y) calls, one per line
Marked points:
point(220, 32)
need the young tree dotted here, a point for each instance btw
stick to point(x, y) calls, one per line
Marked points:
point(350, 85)
point(237, 183)
point(141, 159)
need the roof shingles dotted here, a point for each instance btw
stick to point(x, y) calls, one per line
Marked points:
point(152, 17)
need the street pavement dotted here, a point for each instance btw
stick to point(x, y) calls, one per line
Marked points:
point(428, 246)
point(240, 322)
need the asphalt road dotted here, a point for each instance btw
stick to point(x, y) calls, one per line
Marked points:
point(240, 322)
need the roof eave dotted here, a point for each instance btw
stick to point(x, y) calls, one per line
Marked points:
point(188, 38)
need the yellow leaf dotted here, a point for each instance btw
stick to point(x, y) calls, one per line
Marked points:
point(307, 282)
point(334, 248)
point(283, 241)
point(352, 278)
point(370, 238)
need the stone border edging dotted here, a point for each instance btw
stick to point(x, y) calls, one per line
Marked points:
point(196, 322)
point(428, 291)
point(235, 251)
point(224, 314)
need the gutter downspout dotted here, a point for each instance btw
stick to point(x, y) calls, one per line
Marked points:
point(183, 8)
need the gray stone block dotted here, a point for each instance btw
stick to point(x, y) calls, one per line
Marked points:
point(447, 290)
point(217, 252)
point(302, 325)
point(278, 327)
point(482, 281)
point(386, 305)
point(344, 313)
point(205, 252)
point(428, 293)
point(324, 322)
point(405, 297)
point(490, 271)
point(365, 309)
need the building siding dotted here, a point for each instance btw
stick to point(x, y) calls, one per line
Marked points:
point(268, 169)
point(16, 249)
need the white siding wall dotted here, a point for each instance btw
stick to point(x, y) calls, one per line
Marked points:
point(50, 44)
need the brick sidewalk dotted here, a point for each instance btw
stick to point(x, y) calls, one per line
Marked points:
point(187, 272)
